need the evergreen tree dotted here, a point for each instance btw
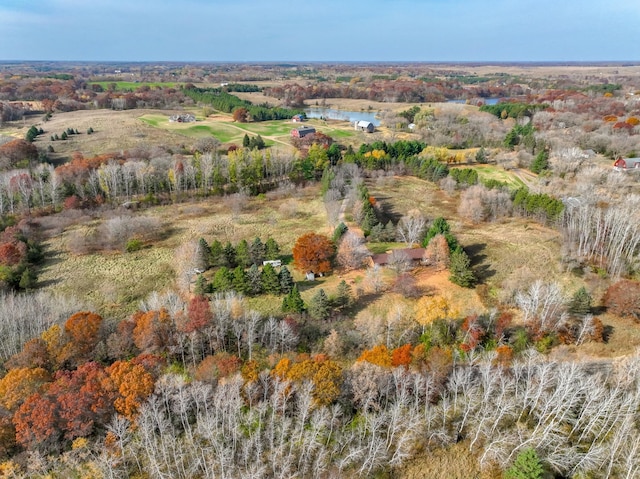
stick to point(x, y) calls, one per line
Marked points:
point(245, 141)
point(243, 257)
point(272, 249)
point(580, 303)
point(63, 136)
point(541, 163)
point(257, 251)
point(389, 232)
point(216, 254)
point(28, 279)
point(254, 280)
point(339, 231)
point(292, 303)
point(202, 287)
point(526, 466)
point(229, 253)
point(239, 281)
point(460, 269)
point(286, 280)
point(344, 296)
point(259, 143)
point(319, 307)
point(481, 155)
point(222, 280)
point(270, 280)
point(203, 253)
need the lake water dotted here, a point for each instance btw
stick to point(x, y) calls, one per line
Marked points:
point(333, 114)
point(486, 101)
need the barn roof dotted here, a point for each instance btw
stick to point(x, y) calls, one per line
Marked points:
point(364, 123)
point(414, 254)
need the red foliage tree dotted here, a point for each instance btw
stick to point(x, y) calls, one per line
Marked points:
point(12, 253)
point(37, 424)
point(240, 115)
point(17, 151)
point(623, 299)
point(198, 313)
point(313, 252)
point(401, 356)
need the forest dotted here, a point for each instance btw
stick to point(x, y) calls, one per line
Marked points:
point(454, 295)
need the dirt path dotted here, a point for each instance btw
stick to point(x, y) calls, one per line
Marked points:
point(528, 178)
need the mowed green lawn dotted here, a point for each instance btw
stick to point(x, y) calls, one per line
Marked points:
point(490, 172)
point(131, 85)
point(233, 132)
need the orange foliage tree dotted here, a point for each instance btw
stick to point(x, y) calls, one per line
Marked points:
point(401, 356)
point(83, 332)
point(133, 384)
point(324, 374)
point(153, 331)
point(379, 355)
point(313, 252)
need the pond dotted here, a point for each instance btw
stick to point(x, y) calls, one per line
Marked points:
point(333, 114)
point(486, 101)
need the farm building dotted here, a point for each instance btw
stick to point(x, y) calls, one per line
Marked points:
point(183, 118)
point(302, 131)
point(624, 164)
point(415, 255)
point(299, 118)
point(364, 125)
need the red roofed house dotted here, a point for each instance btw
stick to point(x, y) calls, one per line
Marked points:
point(415, 255)
point(624, 164)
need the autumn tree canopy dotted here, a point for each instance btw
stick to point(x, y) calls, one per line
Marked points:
point(313, 252)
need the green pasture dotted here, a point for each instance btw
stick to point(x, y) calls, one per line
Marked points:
point(490, 172)
point(131, 85)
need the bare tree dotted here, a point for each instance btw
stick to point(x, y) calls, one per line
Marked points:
point(411, 227)
point(352, 252)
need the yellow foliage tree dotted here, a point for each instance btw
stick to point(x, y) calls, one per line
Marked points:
point(431, 308)
point(18, 384)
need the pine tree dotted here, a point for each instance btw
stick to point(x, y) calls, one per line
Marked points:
point(229, 253)
point(526, 466)
point(389, 231)
point(254, 281)
point(292, 303)
point(243, 257)
point(319, 305)
point(222, 280)
point(216, 254)
point(272, 249)
point(203, 253)
point(541, 163)
point(286, 280)
point(245, 141)
point(257, 251)
point(481, 156)
point(28, 279)
point(270, 280)
point(202, 287)
point(580, 303)
point(240, 281)
point(460, 269)
point(344, 296)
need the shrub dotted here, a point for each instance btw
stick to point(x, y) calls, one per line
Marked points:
point(133, 245)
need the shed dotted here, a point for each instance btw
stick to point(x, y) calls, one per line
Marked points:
point(300, 117)
point(302, 131)
point(364, 125)
point(624, 164)
point(276, 263)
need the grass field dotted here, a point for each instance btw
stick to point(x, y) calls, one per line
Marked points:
point(490, 172)
point(132, 86)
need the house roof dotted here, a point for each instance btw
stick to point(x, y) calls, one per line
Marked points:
point(364, 123)
point(414, 254)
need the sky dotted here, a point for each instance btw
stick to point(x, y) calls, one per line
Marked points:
point(325, 30)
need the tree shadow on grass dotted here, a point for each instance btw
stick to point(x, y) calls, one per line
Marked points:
point(481, 268)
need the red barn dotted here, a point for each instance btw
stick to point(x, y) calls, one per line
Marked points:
point(624, 164)
point(302, 131)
